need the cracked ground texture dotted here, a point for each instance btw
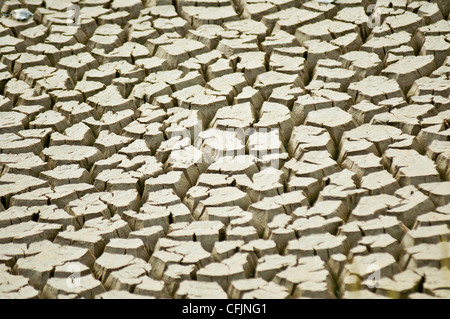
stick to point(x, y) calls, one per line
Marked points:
point(225, 149)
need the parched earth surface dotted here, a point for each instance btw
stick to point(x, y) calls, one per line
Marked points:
point(225, 149)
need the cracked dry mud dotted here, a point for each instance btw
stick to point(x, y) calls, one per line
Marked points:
point(225, 149)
